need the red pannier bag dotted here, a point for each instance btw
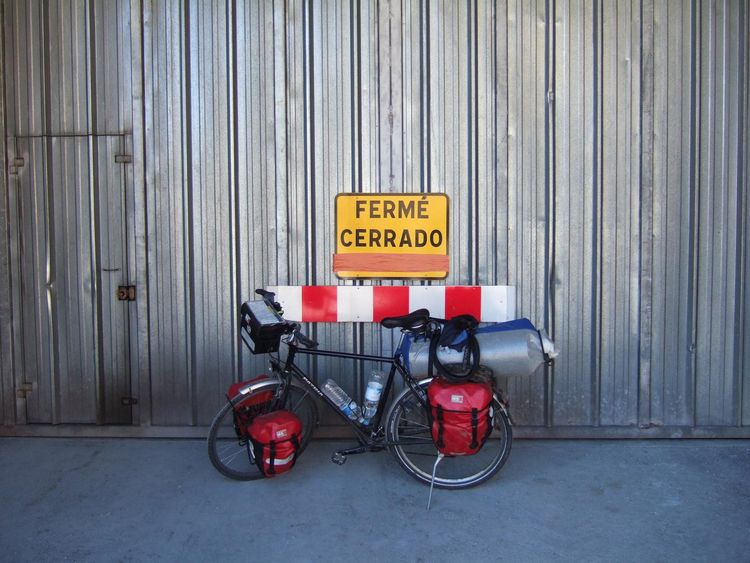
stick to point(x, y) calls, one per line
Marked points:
point(248, 408)
point(275, 437)
point(461, 416)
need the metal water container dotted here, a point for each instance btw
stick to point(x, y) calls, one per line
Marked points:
point(515, 348)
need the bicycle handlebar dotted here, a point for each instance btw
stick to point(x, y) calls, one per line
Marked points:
point(269, 298)
point(291, 327)
point(304, 340)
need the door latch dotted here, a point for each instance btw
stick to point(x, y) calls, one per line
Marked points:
point(126, 293)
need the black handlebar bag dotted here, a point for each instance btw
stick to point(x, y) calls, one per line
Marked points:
point(275, 437)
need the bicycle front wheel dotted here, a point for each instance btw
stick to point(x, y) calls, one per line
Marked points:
point(231, 454)
point(408, 433)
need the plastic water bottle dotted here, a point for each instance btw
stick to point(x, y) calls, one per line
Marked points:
point(372, 394)
point(347, 405)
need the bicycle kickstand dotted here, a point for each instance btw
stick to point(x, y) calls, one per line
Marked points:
point(432, 482)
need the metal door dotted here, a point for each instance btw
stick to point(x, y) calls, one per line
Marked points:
point(72, 280)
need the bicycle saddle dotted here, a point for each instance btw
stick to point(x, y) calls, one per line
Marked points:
point(414, 320)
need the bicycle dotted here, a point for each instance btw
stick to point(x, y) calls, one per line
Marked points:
point(405, 430)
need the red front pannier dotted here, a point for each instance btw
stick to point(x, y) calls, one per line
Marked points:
point(247, 409)
point(461, 416)
point(276, 438)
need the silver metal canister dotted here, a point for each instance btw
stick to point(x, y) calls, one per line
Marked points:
point(506, 352)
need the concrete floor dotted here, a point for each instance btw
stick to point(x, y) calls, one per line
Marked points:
point(160, 500)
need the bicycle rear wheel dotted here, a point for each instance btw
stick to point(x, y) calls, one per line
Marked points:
point(231, 454)
point(408, 432)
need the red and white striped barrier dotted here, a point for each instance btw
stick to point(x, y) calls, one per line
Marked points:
point(363, 303)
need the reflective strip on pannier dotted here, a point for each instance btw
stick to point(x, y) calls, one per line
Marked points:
point(276, 439)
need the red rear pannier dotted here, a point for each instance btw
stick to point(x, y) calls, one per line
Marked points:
point(461, 416)
point(275, 437)
point(248, 408)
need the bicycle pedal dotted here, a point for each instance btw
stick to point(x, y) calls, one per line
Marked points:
point(338, 459)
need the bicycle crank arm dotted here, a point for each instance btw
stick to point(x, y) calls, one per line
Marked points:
point(339, 457)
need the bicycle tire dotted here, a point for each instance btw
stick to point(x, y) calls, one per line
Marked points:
point(410, 441)
point(229, 454)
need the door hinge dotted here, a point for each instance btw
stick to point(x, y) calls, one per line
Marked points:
point(16, 164)
point(24, 390)
point(126, 293)
point(123, 158)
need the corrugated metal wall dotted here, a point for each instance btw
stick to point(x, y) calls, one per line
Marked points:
point(68, 113)
point(595, 155)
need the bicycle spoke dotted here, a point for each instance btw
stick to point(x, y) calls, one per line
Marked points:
point(227, 459)
point(295, 406)
point(408, 423)
point(227, 446)
point(411, 433)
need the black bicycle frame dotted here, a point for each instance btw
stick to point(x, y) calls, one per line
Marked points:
point(368, 435)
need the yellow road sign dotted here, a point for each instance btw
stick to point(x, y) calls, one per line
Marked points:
point(391, 236)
